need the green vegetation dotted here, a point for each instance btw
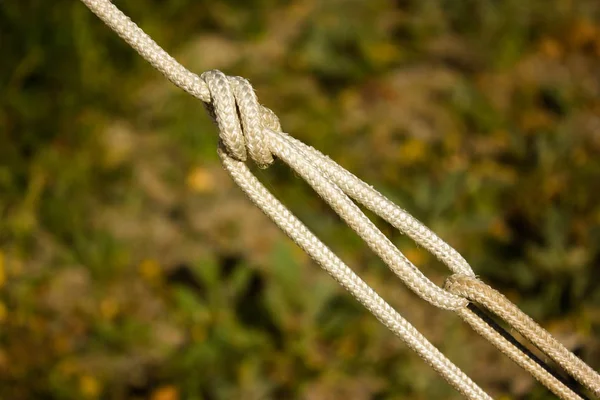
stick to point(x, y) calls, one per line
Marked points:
point(131, 267)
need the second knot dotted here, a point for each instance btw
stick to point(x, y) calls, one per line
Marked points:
point(240, 117)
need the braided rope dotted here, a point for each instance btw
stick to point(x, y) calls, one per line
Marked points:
point(518, 356)
point(247, 129)
point(230, 99)
point(387, 315)
point(477, 291)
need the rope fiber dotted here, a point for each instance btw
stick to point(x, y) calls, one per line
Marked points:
point(248, 130)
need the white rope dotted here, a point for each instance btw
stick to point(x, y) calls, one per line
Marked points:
point(248, 129)
point(228, 97)
point(385, 313)
point(258, 133)
point(517, 355)
point(380, 205)
point(477, 291)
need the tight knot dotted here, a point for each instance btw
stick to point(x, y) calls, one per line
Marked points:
point(240, 117)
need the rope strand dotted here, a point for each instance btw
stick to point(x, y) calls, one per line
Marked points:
point(520, 358)
point(387, 315)
point(477, 291)
point(249, 130)
point(226, 98)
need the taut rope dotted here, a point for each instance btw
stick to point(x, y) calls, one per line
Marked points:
point(250, 130)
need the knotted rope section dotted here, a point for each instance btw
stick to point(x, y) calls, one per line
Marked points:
point(230, 96)
point(249, 130)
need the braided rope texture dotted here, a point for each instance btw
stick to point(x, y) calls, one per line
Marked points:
point(515, 354)
point(249, 130)
point(477, 291)
point(230, 100)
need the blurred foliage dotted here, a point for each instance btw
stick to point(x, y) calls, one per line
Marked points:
point(131, 267)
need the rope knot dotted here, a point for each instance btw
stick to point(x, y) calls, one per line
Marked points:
point(240, 117)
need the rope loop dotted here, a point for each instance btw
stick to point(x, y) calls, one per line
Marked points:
point(246, 127)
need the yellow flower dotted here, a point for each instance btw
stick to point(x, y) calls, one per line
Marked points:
point(551, 48)
point(413, 151)
point(109, 308)
point(165, 393)
point(150, 270)
point(582, 34)
point(67, 367)
point(89, 386)
point(200, 180)
point(382, 54)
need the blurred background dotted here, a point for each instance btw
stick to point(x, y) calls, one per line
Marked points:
point(131, 267)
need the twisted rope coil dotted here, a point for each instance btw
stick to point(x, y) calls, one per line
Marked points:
point(248, 129)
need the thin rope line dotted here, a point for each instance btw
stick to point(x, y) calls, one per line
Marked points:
point(518, 356)
point(477, 291)
point(148, 49)
point(478, 312)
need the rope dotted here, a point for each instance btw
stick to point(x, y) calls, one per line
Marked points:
point(527, 352)
point(477, 291)
point(509, 346)
point(259, 134)
point(387, 315)
point(249, 130)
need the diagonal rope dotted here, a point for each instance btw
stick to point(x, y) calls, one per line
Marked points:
point(310, 171)
point(225, 104)
point(377, 203)
point(380, 205)
point(249, 130)
point(387, 315)
point(524, 359)
point(477, 291)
